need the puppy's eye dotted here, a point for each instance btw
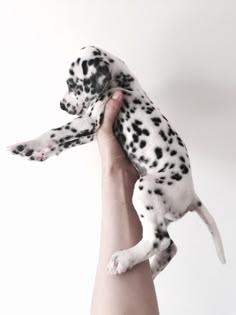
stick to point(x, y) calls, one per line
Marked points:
point(71, 84)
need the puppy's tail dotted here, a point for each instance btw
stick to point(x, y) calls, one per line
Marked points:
point(210, 222)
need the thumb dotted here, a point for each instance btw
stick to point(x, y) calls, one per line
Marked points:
point(112, 110)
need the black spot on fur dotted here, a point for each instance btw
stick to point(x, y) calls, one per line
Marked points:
point(142, 144)
point(68, 137)
point(156, 121)
point(137, 129)
point(91, 62)
point(171, 132)
point(85, 67)
point(158, 192)
point(149, 110)
point(137, 122)
point(184, 168)
point(101, 118)
point(163, 169)
point(160, 234)
point(176, 176)
point(135, 138)
point(137, 101)
point(173, 152)
point(158, 152)
point(180, 142)
point(143, 159)
point(145, 132)
point(140, 187)
point(163, 135)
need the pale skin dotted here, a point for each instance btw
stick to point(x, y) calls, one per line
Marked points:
point(132, 292)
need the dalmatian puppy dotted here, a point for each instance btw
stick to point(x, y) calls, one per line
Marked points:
point(164, 191)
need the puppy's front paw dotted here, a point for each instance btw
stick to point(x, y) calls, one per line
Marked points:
point(120, 262)
point(39, 149)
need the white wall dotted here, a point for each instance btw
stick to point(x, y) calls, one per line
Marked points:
point(184, 53)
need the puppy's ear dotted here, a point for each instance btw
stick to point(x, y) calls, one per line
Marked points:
point(103, 78)
point(101, 75)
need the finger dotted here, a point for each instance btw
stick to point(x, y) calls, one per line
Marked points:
point(111, 111)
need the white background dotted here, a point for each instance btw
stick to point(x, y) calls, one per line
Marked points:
point(184, 54)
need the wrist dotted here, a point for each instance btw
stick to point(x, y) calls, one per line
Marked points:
point(119, 169)
point(117, 186)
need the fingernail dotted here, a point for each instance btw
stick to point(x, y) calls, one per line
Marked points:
point(116, 95)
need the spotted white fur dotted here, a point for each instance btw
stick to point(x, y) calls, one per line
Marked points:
point(164, 192)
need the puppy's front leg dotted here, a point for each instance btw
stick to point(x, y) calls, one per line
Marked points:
point(79, 131)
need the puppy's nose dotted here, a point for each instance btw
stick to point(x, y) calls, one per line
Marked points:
point(62, 106)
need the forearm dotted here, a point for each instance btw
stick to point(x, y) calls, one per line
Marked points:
point(119, 219)
point(132, 292)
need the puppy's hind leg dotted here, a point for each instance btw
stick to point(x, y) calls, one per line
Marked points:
point(150, 209)
point(161, 260)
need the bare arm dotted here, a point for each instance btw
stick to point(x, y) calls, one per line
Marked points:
point(132, 292)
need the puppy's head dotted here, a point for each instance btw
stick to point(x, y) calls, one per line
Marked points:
point(89, 78)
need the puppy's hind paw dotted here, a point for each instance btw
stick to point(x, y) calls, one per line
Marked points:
point(120, 262)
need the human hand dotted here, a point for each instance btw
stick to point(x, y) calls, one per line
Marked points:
point(112, 156)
